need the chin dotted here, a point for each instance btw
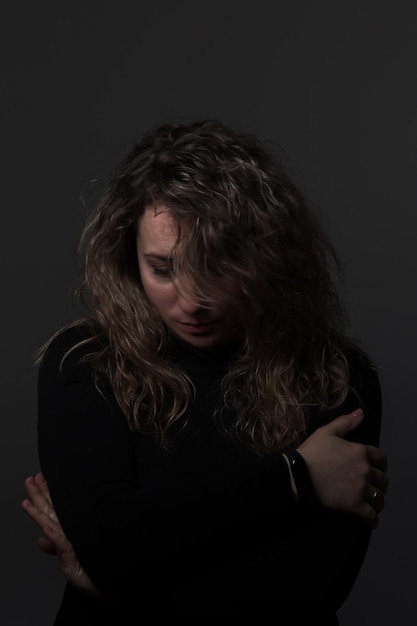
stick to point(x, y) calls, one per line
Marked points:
point(203, 340)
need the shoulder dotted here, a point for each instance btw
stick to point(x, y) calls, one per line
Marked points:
point(364, 377)
point(66, 352)
point(364, 392)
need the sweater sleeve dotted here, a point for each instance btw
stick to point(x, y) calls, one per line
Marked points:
point(129, 536)
point(124, 533)
point(311, 567)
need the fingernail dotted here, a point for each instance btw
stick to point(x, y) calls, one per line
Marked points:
point(357, 413)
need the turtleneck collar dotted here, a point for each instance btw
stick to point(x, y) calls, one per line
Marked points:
point(216, 356)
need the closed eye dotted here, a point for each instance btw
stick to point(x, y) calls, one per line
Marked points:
point(163, 271)
point(160, 266)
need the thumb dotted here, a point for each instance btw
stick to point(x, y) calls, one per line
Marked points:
point(344, 424)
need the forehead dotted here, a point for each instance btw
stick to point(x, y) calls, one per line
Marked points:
point(157, 229)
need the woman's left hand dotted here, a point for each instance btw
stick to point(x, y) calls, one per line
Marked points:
point(38, 506)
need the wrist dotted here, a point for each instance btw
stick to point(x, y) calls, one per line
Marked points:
point(292, 481)
point(301, 483)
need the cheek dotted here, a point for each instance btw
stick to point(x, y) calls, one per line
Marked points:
point(161, 295)
point(232, 296)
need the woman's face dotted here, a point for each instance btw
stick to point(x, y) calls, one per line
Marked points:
point(199, 325)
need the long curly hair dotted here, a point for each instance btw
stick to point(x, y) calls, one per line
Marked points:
point(246, 220)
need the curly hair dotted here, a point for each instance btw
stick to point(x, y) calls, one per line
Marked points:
point(247, 220)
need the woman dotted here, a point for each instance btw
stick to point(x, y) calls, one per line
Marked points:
point(194, 425)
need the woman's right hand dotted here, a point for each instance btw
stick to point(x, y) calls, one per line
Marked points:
point(38, 506)
point(347, 476)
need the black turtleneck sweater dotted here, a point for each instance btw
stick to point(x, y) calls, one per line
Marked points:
point(203, 531)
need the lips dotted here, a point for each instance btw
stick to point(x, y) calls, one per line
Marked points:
point(197, 327)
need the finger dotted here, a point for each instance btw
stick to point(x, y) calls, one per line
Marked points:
point(368, 514)
point(38, 515)
point(62, 545)
point(377, 458)
point(54, 542)
point(47, 546)
point(344, 424)
point(40, 487)
point(43, 486)
point(38, 497)
point(376, 499)
point(35, 493)
point(379, 480)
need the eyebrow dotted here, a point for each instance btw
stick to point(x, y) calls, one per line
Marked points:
point(158, 257)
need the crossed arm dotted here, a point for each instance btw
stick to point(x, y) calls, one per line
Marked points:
point(346, 476)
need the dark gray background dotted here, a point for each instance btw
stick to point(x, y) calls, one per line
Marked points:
point(334, 83)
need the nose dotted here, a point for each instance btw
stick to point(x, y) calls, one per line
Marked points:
point(188, 303)
point(187, 299)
